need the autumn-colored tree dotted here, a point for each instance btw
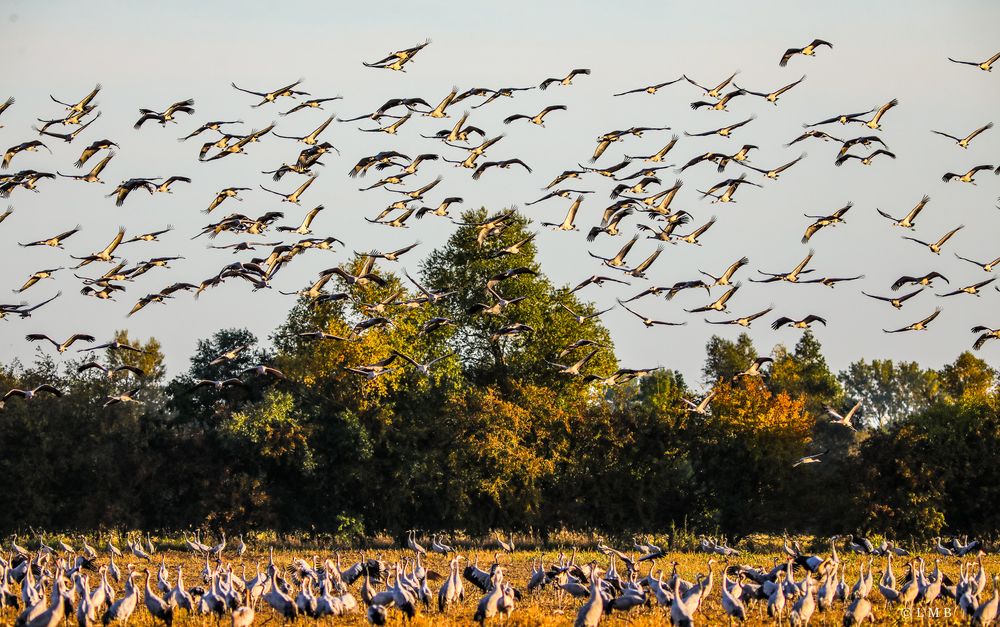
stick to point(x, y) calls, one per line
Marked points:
point(744, 452)
point(968, 377)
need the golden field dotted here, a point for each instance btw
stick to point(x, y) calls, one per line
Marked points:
point(542, 608)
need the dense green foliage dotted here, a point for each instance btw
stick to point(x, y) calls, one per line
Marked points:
point(495, 436)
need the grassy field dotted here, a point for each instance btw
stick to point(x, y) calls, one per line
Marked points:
point(539, 608)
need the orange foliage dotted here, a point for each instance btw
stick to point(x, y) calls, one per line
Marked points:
point(770, 424)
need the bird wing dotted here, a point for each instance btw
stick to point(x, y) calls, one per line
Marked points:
point(791, 163)
point(802, 264)
point(145, 118)
point(810, 231)
point(321, 127)
point(281, 90)
point(928, 319)
point(884, 298)
point(729, 294)
point(631, 311)
point(601, 147)
point(917, 209)
point(780, 322)
point(34, 337)
point(404, 356)
point(883, 109)
point(886, 215)
point(45, 387)
point(703, 88)
point(632, 91)
point(748, 91)
point(913, 239)
point(304, 186)
point(982, 339)
point(571, 213)
point(642, 267)
point(110, 248)
point(947, 236)
point(852, 411)
point(583, 361)
point(978, 131)
point(482, 168)
point(739, 124)
point(748, 166)
point(703, 134)
point(788, 86)
point(104, 162)
point(262, 187)
point(947, 135)
point(788, 55)
point(83, 337)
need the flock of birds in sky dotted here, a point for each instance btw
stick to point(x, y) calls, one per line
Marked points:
point(800, 587)
point(638, 189)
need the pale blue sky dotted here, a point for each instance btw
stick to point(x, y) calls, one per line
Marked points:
point(148, 55)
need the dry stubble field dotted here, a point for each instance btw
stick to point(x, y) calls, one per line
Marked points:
point(541, 608)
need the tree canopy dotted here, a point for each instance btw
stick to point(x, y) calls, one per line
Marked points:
point(492, 433)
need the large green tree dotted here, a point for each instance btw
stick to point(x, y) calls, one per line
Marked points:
point(890, 390)
point(724, 359)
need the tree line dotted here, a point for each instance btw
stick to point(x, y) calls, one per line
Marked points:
point(494, 436)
